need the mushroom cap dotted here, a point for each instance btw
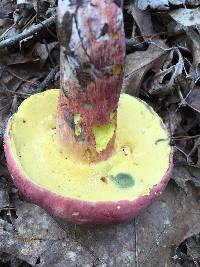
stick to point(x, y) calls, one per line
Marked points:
point(106, 192)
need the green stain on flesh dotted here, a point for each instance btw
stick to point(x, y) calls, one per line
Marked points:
point(142, 114)
point(87, 105)
point(103, 134)
point(123, 180)
point(10, 134)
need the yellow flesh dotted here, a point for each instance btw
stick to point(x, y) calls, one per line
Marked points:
point(103, 134)
point(142, 151)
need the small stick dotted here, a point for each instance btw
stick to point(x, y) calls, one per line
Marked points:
point(6, 31)
point(184, 137)
point(17, 93)
point(136, 244)
point(25, 34)
point(47, 80)
point(22, 79)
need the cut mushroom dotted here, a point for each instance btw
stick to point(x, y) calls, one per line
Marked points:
point(78, 152)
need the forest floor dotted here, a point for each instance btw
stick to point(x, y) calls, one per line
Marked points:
point(163, 68)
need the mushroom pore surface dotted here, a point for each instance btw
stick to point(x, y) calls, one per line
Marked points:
point(140, 161)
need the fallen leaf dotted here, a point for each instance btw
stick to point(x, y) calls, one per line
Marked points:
point(150, 239)
point(194, 43)
point(6, 8)
point(186, 17)
point(192, 2)
point(185, 173)
point(163, 80)
point(43, 51)
point(137, 66)
point(193, 99)
point(188, 252)
point(172, 119)
point(160, 5)
point(39, 6)
point(143, 20)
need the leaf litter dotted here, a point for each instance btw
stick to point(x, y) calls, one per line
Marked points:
point(163, 68)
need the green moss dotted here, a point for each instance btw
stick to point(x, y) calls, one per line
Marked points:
point(123, 180)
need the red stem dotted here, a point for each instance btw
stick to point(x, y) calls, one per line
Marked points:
point(91, 34)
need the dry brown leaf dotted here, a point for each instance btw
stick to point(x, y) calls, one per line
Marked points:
point(193, 99)
point(163, 81)
point(172, 119)
point(194, 42)
point(138, 64)
point(149, 240)
point(43, 51)
point(186, 17)
point(143, 20)
point(161, 4)
point(189, 251)
point(184, 174)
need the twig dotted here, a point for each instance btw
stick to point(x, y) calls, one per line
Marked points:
point(132, 42)
point(29, 22)
point(196, 144)
point(184, 137)
point(49, 30)
point(12, 92)
point(159, 46)
point(136, 244)
point(197, 80)
point(33, 29)
point(1, 108)
point(183, 101)
point(182, 163)
point(7, 208)
point(183, 152)
point(17, 93)
point(6, 31)
point(22, 79)
point(47, 80)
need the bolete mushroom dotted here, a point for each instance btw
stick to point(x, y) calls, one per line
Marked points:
point(77, 152)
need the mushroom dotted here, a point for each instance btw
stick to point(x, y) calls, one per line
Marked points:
point(85, 153)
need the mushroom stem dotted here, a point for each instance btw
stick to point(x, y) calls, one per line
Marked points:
point(91, 34)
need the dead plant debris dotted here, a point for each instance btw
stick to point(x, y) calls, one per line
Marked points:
point(163, 68)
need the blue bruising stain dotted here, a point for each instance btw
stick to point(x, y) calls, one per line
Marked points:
point(123, 180)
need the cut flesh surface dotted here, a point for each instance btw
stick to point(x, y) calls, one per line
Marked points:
point(140, 161)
